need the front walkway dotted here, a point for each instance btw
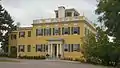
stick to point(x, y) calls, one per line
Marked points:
point(46, 64)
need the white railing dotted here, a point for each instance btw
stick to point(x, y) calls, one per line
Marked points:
point(65, 19)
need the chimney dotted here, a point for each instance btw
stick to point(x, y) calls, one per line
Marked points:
point(61, 11)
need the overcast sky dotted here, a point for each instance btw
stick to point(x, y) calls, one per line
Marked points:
point(25, 11)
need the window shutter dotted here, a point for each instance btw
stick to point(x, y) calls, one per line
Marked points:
point(72, 31)
point(59, 31)
point(49, 31)
point(53, 31)
point(45, 33)
point(36, 32)
point(42, 32)
point(68, 30)
point(62, 30)
point(78, 30)
point(71, 47)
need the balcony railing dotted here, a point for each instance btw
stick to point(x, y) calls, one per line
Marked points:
point(65, 19)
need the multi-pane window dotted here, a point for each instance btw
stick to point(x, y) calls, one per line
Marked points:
point(28, 48)
point(41, 48)
point(56, 31)
point(29, 33)
point(65, 30)
point(21, 48)
point(76, 47)
point(47, 31)
point(72, 47)
point(68, 14)
point(22, 34)
point(39, 32)
point(66, 47)
point(13, 36)
point(46, 48)
point(75, 30)
point(38, 48)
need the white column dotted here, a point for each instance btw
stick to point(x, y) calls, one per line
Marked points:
point(51, 50)
point(57, 50)
point(61, 50)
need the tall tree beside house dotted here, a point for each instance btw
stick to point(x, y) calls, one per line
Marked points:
point(101, 51)
point(6, 26)
point(109, 11)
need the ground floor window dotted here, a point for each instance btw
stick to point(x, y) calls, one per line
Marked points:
point(21, 48)
point(28, 48)
point(71, 47)
point(76, 47)
point(41, 48)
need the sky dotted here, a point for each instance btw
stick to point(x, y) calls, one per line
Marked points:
point(25, 11)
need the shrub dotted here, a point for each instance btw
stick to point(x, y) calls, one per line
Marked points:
point(42, 57)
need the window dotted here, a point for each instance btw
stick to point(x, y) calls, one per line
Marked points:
point(56, 31)
point(68, 14)
point(75, 30)
point(76, 47)
point(71, 47)
point(65, 30)
point(38, 48)
point(85, 31)
point(56, 14)
point(43, 47)
point(47, 31)
point(28, 48)
point(66, 47)
point(13, 36)
point(21, 34)
point(21, 48)
point(29, 33)
point(46, 48)
point(39, 32)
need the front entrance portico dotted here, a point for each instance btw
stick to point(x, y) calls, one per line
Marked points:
point(55, 48)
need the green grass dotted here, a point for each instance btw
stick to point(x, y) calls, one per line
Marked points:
point(9, 60)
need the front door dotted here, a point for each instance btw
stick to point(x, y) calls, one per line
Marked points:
point(55, 50)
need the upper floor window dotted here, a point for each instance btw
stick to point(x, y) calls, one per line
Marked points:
point(21, 34)
point(75, 30)
point(56, 31)
point(29, 33)
point(13, 36)
point(39, 32)
point(28, 48)
point(21, 48)
point(68, 14)
point(47, 31)
point(65, 30)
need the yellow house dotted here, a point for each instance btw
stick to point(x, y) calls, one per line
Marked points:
point(54, 36)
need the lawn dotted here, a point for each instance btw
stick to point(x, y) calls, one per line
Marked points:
point(3, 60)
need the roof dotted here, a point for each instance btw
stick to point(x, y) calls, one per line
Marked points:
point(25, 28)
point(72, 9)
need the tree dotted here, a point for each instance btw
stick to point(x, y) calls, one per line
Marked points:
point(6, 26)
point(109, 11)
point(101, 51)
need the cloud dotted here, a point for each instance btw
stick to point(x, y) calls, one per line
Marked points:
point(25, 11)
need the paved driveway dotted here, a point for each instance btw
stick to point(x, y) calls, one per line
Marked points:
point(46, 64)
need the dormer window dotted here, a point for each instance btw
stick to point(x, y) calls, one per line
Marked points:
point(68, 14)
